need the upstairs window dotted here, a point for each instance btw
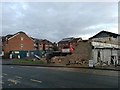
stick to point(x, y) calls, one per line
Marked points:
point(21, 38)
point(21, 45)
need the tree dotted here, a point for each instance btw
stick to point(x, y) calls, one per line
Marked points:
point(55, 47)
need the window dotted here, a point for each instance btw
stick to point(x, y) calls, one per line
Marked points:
point(35, 44)
point(46, 45)
point(59, 44)
point(66, 43)
point(109, 38)
point(21, 45)
point(21, 38)
point(50, 45)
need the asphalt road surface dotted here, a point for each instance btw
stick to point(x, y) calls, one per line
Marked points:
point(54, 77)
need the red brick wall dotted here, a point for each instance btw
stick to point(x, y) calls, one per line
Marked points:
point(46, 45)
point(69, 44)
point(15, 43)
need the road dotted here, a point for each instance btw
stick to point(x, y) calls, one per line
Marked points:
point(54, 77)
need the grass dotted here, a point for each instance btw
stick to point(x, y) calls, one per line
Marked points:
point(27, 62)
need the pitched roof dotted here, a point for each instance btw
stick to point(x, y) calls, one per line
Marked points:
point(69, 39)
point(7, 36)
point(76, 39)
point(106, 32)
point(45, 40)
point(21, 32)
point(41, 40)
point(35, 39)
point(11, 35)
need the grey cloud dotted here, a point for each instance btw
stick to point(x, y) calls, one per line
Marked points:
point(55, 21)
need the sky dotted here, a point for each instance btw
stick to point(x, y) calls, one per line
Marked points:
point(57, 20)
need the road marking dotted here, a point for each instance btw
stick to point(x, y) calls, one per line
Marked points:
point(18, 77)
point(9, 84)
point(11, 67)
point(1, 76)
point(36, 80)
point(5, 74)
point(13, 81)
point(1, 82)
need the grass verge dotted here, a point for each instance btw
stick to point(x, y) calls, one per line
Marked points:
point(27, 62)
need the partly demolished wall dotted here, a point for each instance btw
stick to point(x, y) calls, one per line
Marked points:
point(81, 55)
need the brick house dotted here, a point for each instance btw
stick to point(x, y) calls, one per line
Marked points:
point(17, 42)
point(45, 45)
point(68, 45)
point(36, 43)
point(42, 44)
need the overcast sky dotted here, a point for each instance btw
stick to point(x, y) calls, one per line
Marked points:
point(57, 20)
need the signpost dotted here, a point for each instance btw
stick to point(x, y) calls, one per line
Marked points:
point(91, 63)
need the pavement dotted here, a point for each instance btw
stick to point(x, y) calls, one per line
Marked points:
point(52, 77)
point(9, 62)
